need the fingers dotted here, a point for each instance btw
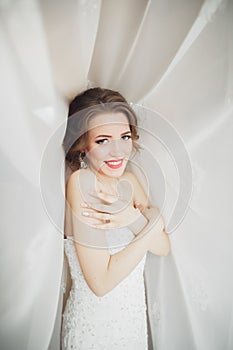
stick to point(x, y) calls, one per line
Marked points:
point(104, 226)
point(97, 215)
point(99, 206)
point(96, 218)
point(139, 206)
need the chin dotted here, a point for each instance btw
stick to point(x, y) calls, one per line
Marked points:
point(114, 172)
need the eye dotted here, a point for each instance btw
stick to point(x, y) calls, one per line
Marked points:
point(102, 141)
point(126, 137)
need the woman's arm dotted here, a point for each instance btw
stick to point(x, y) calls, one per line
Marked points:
point(101, 270)
point(160, 245)
point(139, 216)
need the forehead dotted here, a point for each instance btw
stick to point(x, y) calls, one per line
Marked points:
point(109, 120)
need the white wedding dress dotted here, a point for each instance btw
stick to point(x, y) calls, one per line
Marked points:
point(118, 320)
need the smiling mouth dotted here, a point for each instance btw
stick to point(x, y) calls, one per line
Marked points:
point(114, 164)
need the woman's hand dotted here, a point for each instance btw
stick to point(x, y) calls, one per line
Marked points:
point(130, 216)
point(159, 240)
point(105, 220)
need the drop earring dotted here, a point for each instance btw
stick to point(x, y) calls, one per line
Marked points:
point(83, 164)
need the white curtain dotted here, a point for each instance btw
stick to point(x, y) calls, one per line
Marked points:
point(173, 60)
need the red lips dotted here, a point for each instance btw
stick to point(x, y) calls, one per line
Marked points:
point(114, 163)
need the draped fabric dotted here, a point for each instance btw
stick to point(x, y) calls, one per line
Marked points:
point(173, 60)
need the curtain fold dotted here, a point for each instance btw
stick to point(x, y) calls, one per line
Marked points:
point(173, 60)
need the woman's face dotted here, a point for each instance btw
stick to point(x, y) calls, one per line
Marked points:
point(109, 143)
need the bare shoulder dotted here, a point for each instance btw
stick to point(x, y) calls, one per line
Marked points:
point(80, 183)
point(72, 181)
point(139, 193)
point(73, 187)
point(128, 175)
point(132, 178)
point(75, 176)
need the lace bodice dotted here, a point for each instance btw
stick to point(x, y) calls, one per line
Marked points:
point(115, 321)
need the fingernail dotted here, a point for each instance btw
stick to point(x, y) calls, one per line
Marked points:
point(84, 205)
point(85, 213)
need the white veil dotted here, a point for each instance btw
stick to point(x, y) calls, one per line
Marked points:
point(171, 59)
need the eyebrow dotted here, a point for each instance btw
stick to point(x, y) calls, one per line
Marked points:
point(124, 133)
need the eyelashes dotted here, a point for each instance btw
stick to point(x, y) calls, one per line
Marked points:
point(106, 140)
point(126, 137)
point(101, 141)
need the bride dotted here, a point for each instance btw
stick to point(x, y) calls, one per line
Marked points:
point(109, 227)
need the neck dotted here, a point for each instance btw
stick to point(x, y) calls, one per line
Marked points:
point(106, 181)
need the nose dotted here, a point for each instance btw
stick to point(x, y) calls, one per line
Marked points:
point(116, 149)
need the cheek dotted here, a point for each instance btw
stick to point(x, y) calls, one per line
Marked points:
point(97, 153)
point(128, 147)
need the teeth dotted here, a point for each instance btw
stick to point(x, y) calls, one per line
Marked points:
point(115, 163)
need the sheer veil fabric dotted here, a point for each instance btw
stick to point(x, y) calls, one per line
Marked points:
point(173, 61)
